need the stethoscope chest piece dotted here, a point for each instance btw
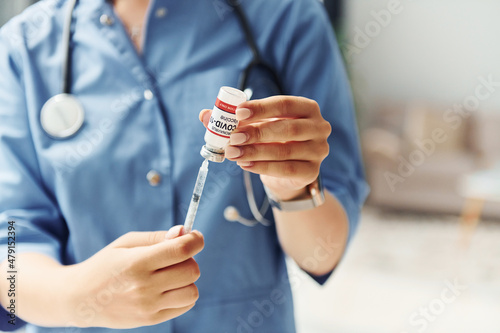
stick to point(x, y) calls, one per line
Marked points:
point(62, 116)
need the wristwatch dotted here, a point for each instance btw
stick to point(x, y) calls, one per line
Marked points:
point(313, 198)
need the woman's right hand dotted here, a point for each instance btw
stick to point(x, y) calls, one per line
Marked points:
point(141, 279)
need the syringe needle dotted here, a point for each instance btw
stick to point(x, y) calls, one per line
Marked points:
point(195, 200)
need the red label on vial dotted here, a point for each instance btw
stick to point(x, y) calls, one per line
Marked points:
point(225, 107)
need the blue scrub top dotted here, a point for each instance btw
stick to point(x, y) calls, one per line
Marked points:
point(72, 197)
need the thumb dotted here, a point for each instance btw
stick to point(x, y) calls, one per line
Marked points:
point(174, 232)
point(135, 239)
point(205, 116)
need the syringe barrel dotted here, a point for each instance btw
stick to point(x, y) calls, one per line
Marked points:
point(195, 199)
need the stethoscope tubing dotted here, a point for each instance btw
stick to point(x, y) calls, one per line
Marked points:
point(67, 38)
point(66, 96)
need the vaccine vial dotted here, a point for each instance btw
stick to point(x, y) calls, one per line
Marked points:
point(222, 123)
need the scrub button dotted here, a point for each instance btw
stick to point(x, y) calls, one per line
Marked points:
point(154, 178)
point(148, 94)
point(161, 12)
point(106, 20)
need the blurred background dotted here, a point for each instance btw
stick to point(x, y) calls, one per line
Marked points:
point(425, 76)
point(426, 81)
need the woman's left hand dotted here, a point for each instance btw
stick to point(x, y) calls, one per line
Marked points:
point(282, 138)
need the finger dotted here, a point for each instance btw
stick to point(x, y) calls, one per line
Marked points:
point(174, 232)
point(136, 239)
point(173, 251)
point(167, 314)
point(277, 107)
point(204, 116)
point(179, 298)
point(175, 276)
point(301, 171)
point(280, 130)
point(306, 151)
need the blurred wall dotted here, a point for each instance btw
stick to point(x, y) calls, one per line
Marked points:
point(431, 50)
point(10, 8)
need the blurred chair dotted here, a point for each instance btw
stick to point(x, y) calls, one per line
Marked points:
point(477, 188)
point(408, 170)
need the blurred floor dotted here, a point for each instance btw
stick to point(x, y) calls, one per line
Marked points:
point(407, 274)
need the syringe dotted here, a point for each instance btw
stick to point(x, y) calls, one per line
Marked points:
point(195, 200)
point(222, 123)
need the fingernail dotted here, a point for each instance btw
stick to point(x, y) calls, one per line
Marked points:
point(174, 232)
point(233, 152)
point(242, 114)
point(245, 164)
point(238, 138)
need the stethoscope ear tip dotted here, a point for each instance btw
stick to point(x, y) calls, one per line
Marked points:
point(231, 214)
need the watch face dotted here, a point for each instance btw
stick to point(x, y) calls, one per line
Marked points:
point(316, 191)
point(315, 186)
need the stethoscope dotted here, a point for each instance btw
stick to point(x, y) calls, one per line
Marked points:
point(62, 116)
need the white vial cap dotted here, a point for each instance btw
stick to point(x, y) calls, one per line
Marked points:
point(232, 96)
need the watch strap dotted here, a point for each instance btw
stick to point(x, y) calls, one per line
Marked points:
point(315, 197)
